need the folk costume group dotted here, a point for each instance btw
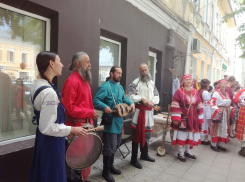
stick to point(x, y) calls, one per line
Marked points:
point(59, 115)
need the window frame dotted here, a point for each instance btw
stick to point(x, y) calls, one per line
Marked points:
point(26, 53)
point(8, 58)
point(46, 48)
point(154, 55)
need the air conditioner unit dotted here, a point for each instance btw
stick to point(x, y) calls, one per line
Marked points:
point(196, 46)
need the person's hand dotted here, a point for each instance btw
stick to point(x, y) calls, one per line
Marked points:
point(176, 122)
point(96, 115)
point(79, 131)
point(108, 110)
point(220, 112)
point(150, 104)
point(132, 108)
point(144, 101)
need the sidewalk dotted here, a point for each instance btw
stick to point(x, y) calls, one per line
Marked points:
point(210, 166)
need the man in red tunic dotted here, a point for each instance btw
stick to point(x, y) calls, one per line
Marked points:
point(77, 98)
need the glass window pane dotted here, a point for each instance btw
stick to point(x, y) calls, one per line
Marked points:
point(21, 39)
point(151, 65)
point(109, 56)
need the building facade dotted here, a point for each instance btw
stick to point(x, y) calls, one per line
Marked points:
point(112, 32)
point(208, 55)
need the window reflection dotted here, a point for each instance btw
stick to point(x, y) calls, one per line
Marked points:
point(21, 39)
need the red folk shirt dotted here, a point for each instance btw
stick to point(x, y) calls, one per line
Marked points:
point(77, 98)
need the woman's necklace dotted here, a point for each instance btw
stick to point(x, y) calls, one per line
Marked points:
point(187, 95)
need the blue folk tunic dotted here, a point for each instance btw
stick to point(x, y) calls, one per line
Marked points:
point(48, 162)
point(103, 98)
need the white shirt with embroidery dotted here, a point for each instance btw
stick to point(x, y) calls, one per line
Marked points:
point(47, 103)
point(206, 96)
point(137, 91)
point(242, 99)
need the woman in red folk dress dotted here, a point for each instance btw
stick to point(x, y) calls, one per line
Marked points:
point(187, 118)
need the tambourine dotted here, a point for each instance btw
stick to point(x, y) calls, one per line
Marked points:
point(83, 152)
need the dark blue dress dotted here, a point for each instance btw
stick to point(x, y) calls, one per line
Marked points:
point(48, 162)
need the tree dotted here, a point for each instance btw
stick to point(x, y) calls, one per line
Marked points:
point(238, 12)
point(22, 27)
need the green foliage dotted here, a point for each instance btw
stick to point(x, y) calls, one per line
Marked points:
point(238, 12)
point(20, 26)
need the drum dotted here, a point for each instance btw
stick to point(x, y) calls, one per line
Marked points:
point(83, 152)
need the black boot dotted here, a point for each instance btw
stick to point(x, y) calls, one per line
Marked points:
point(134, 160)
point(112, 168)
point(144, 153)
point(106, 169)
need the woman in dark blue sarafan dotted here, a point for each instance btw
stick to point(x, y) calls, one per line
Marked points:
point(48, 163)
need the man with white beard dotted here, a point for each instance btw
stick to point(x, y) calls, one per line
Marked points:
point(144, 94)
point(77, 98)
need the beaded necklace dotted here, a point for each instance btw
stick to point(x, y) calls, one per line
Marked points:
point(184, 99)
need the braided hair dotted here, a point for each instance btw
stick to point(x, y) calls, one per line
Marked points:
point(42, 61)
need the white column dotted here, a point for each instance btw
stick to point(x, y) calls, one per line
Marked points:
point(212, 65)
point(188, 55)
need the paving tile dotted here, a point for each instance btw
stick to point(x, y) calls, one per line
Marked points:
point(183, 180)
point(209, 166)
point(205, 160)
point(194, 174)
point(200, 166)
point(237, 175)
point(174, 172)
point(166, 178)
point(220, 165)
point(194, 177)
point(209, 180)
point(180, 166)
point(234, 180)
point(221, 171)
point(216, 177)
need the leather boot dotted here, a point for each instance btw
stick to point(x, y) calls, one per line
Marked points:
point(134, 160)
point(112, 168)
point(106, 169)
point(144, 153)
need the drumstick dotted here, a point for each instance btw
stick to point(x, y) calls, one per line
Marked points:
point(99, 128)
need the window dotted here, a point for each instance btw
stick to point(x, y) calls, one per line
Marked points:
point(152, 60)
point(16, 109)
point(24, 76)
point(24, 58)
point(10, 56)
point(110, 54)
point(206, 11)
